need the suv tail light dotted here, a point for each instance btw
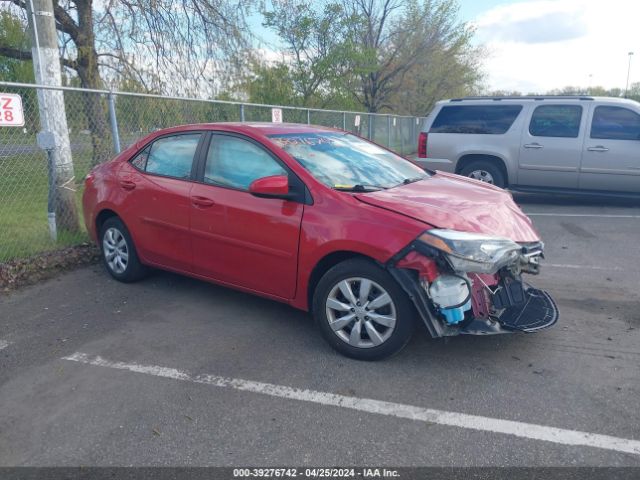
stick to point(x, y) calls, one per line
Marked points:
point(422, 145)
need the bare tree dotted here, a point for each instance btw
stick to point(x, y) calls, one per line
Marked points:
point(182, 41)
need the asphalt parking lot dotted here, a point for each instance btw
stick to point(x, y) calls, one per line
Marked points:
point(173, 371)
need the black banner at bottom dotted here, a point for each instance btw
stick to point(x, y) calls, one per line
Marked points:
point(405, 473)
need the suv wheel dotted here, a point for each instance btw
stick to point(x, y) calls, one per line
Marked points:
point(119, 253)
point(362, 312)
point(485, 172)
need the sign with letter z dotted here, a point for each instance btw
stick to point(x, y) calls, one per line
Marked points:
point(11, 113)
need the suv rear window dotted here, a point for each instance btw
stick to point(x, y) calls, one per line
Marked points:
point(483, 119)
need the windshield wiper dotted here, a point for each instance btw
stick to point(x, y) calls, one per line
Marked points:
point(359, 188)
point(407, 181)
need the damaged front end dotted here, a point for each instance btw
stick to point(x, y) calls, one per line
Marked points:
point(465, 283)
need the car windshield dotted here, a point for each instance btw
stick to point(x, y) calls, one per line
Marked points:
point(346, 162)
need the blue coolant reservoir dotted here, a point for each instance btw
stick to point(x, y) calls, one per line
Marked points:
point(448, 291)
point(455, 315)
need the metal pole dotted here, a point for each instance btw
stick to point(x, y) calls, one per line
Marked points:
point(51, 198)
point(626, 90)
point(242, 112)
point(370, 127)
point(388, 131)
point(308, 117)
point(113, 120)
point(344, 120)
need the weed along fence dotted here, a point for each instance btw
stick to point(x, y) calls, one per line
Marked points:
point(42, 167)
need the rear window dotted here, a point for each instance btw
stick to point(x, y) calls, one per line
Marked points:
point(483, 119)
point(556, 121)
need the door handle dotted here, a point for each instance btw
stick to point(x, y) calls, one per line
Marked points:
point(127, 184)
point(598, 148)
point(532, 145)
point(202, 201)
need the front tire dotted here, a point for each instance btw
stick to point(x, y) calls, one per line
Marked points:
point(119, 253)
point(362, 312)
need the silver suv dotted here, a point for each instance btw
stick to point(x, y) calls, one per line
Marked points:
point(547, 143)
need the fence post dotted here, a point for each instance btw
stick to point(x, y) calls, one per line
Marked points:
point(242, 112)
point(370, 127)
point(308, 117)
point(388, 131)
point(113, 120)
point(412, 132)
point(344, 120)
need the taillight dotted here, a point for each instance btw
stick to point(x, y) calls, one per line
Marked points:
point(422, 145)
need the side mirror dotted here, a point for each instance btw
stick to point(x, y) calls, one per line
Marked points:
point(275, 186)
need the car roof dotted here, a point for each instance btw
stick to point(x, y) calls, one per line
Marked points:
point(262, 128)
point(537, 98)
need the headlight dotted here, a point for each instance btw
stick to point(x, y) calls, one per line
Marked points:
point(472, 252)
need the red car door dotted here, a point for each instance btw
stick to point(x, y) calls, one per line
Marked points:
point(156, 209)
point(238, 238)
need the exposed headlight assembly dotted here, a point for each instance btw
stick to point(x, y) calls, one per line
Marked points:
point(472, 252)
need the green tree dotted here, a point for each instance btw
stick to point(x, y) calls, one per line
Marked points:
point(315, 35)
point(634, 91)
point(271, 84)
point(446, 62)
point(13, 38)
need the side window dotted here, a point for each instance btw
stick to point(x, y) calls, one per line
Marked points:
point(173, 156)
point(615, 123)
point(140, 160)
point(483, 119)
point(234, 162)
point(556, 121)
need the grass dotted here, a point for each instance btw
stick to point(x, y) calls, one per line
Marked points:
point(24, 229)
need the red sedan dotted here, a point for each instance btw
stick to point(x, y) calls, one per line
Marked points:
point(325, 221)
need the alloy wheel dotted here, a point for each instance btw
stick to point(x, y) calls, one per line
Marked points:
point(115, 250)
point(360, 312)
point(482, 175)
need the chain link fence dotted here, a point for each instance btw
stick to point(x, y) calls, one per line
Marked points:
point(40, 201)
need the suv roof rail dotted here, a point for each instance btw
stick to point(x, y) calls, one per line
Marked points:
point(525, 97)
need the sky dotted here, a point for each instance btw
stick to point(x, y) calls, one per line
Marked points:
point(534, 46)
point(538, 45)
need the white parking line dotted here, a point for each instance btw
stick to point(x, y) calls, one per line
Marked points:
point(586, 267)
point(597, 215)
point(3, 344)
point(441, 417)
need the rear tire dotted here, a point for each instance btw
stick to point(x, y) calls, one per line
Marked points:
point(362, 312)
point(485, 171)
point(119, 254)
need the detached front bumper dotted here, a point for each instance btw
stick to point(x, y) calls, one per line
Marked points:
point(536, 311)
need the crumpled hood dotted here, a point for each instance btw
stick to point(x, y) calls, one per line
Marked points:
point(458, 203)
